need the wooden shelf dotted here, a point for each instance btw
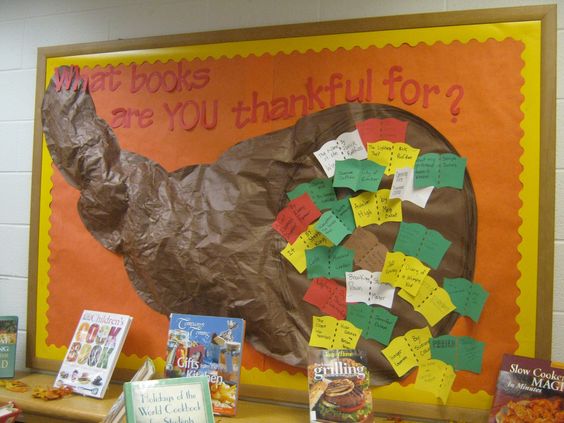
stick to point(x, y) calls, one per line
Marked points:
point(77, 408)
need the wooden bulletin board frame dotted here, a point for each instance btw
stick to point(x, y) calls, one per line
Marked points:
point(544, 115)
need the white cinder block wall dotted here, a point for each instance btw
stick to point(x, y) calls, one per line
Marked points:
point(28, 24)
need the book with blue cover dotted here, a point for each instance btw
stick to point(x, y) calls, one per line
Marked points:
point(209, 346)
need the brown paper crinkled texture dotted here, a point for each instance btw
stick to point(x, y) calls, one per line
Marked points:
point(199, 240)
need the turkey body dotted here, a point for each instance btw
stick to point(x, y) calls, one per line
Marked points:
point(199, 240)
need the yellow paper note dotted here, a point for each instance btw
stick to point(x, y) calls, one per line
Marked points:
point(400, 355)
point(364, 209)
point(405, 156)
point(323, 331)
point(428, 286)
point(375, 208)
point(347, 335)
point(328, 332)
point(438, 306)
point(392, 267)
point(392, 155)
point(436, 377)
point(432, 301)
point(411, 275)
point(408, 351)
point(418, 340)
point(381, 152)
point(404, 272)
point(295, 253)
point(389, 209)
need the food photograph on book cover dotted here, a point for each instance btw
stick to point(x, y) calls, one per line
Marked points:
point(93, 353)
point(344, 197)
point(8, 342)
point(339, 386)
point(208, 346)
point(528, 390)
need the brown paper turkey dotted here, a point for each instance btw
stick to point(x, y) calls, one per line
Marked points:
point(199, 240)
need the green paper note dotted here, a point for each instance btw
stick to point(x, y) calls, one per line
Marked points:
point(470, 354)
point(468, 297)
point(433, 248)
point(359, 315)
point(317, 260)
point(320, 191)
point(343, 210)
point(332, 227)
point(341, 262)
point(329, 262)
point(427, 245)
point(409, 238)
point(426, 171)
point(452, 171)
point(381, 325)
point(439, 170)
point(461, 352)
point(358, 174)
point(376, 322)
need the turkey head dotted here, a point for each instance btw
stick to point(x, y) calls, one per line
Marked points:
point(199, 240)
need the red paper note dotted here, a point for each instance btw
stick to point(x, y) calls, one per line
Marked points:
point(328, 296)
point(295, 217)
point(389, 129)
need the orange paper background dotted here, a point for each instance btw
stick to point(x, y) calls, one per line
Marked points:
point(486, 131)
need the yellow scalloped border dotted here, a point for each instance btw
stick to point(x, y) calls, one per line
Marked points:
point(527, 32)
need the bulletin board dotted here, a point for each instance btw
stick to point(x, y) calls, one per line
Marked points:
point(483, 80)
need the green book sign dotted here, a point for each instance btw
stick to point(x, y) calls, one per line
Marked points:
point(8, 336)
point(185, 399)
